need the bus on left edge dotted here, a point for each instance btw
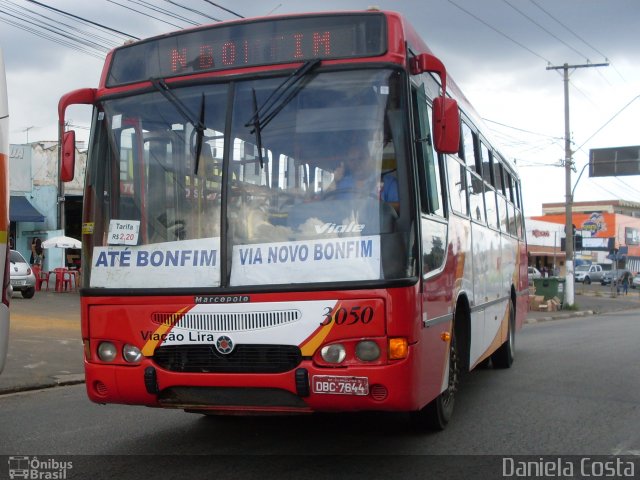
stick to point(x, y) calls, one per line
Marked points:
point(4, 214)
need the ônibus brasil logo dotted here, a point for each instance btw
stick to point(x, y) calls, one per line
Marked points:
point(37, 468)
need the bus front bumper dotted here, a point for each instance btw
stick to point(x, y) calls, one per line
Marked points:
point(308, 388)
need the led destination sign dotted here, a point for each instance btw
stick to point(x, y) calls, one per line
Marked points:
point(256, 43)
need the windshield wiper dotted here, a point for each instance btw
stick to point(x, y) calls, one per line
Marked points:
point(197, 122)
point(276, 101)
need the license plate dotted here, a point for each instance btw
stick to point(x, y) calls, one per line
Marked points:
point(18, 283)
point(334, 385)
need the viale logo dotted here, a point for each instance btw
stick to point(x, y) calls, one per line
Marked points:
point(352, 227)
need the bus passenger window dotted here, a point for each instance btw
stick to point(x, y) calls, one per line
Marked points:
point(457, 180)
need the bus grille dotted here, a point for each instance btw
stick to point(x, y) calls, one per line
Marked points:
point(243, 359)
point(228, 322)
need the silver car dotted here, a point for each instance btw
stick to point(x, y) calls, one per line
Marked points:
point(21, 275)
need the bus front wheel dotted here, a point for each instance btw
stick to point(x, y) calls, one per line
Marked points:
point(436, 414)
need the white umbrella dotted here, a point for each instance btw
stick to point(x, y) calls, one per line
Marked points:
point(61, 242)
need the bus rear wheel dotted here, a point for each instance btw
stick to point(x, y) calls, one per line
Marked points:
point(503, 357)
point(436, 414)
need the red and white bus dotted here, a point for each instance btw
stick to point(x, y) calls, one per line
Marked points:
point(232, 264)
point(4, 214)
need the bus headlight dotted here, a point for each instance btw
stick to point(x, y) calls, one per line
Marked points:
point(334, 353)
point(367, 351)
point(131, 353)
point(107, 351)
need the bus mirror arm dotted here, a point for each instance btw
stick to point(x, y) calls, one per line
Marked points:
point(67, 140)
point(446, 121)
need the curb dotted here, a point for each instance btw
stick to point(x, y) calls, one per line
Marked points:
point(559, 316)
point(57, 381)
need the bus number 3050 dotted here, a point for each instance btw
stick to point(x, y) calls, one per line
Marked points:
point(357, 314)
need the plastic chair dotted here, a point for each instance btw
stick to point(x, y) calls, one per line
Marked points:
point(75, 278)
point(63, 279)
point(41, 277)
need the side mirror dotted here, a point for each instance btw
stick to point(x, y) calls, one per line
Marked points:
point(68, 156)
point(446, 125)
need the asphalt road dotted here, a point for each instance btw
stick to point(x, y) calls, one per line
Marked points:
point(573, 390)
point(45, 348)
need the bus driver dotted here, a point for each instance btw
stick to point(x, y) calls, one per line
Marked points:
point(357, 174)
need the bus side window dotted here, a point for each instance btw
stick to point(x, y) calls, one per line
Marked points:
point(434, 225)
point(431, 195)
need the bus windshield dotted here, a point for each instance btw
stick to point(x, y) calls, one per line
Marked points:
point(326, 200)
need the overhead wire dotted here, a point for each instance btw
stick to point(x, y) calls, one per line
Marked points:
point(56, 25)
point(49, 32)
point(566, 27)
point(545, 29)
point(62, 12)
point(522, 129)
point(193, 10)
point(145, 14)
point(164, 11)
point(223, 8)
point(51, 38)
point(521, 45)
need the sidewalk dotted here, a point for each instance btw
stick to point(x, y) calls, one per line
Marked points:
point(45, 347)
point(590, 300)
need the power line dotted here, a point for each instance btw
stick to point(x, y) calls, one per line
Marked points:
point(50, 37)
point(57, 27)
point(62, 12)
point(544, 29)
point(193, 10)
point(577, 36)
point(497, 31)
point(569, 30)
point(521, 129)
point(143, 13)
point(223, 8)
point(163, 11)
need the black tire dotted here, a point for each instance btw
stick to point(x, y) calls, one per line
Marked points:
point(29, 292)
point(587, 281)
point(436, 414)
point(503, 357)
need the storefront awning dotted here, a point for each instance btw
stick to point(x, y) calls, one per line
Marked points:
point(20, 210)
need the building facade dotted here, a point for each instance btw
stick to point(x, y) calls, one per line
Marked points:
point(544, 242)
point(610, 231)
point(34, 199)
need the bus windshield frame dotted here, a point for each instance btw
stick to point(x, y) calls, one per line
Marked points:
point(304, 212)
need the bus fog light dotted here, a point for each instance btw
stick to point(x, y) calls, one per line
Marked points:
point(333, 353)
point(107, 352)
point(367, 350)
point(131, 353)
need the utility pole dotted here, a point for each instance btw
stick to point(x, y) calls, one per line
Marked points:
point(568, 164)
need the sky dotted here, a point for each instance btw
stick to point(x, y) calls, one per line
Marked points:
point(497, 51)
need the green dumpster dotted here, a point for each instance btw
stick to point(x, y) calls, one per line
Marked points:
point(550, 287)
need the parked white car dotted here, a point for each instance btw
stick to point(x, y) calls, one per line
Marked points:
point(21, 275)
point(534, 273)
